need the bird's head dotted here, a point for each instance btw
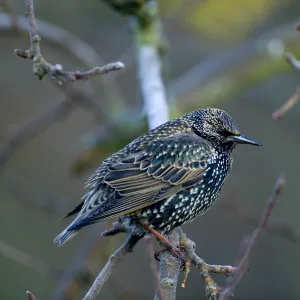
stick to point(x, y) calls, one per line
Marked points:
point(216, 126)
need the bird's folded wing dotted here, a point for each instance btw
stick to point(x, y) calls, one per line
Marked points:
point(161, 170)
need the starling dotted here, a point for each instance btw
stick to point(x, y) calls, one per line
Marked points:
point(164, 178)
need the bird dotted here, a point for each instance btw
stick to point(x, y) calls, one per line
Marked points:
point(162, 179)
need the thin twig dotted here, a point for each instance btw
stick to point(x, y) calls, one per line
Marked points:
point(278, 114)
point(33, 128)
point(169, 269)
point(76, 267)
point(212, 289)
point(41, 67)
point(13, 18)
point(251, 241)
point(114, 259)
point(274, 226)
point(30, 296)
point(82, 98)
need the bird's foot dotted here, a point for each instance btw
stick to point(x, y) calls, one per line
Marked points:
point(175, 251)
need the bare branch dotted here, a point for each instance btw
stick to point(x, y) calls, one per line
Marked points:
point(110, 265)
point(278, 114)
point(30, 296)
point(211, 287)
point(76, 267)
point(292, 60)
point(33, 128)
point(117, 228)
point(169, 269)
point(41, 67)
point(13, 19)
point(147, 37)
point(251, 241)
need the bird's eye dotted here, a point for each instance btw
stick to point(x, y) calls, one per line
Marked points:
point(224, 132)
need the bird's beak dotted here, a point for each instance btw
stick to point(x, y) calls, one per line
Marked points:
point(242, 139)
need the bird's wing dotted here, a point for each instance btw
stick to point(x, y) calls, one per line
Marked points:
point(162, 169)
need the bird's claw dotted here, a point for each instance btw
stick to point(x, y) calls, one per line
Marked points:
point(176, 252)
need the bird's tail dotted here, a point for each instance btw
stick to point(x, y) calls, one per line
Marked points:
point(65, 236)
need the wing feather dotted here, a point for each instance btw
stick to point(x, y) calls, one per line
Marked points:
point(160, 170)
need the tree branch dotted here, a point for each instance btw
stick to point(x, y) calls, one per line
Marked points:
point(83, 98)
point(251, 241)
point(110, 265)
point(295, 63)
point(169, 269)
point(279, 113)
point(147, 35)
point(30, 296)
point(33, 128)
point(77, 267)
point(41, 67)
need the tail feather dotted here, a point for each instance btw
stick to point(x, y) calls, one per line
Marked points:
point(65, 236)
point(76, 210)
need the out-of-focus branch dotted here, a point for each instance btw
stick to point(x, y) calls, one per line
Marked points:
point(30, 296)
point(71, 43)
point(27, 260)
point(147, 35)
point(79, 273)
point(76, 267)
point(34, 197)
point(279, 113)
point(114, 259)
point(41, 67)
point(74, 97)
point(274, 226)
point(33, 128)
point(146, 31)
point(13, 19)
point(82, 98)
point(295, 63)
point(292, 60)
point(251, 241)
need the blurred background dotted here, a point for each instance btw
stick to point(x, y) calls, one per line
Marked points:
point(225, 54)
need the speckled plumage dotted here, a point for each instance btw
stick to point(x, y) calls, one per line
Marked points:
point(164, 178)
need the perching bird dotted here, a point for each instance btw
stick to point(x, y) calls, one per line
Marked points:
point(164, 178)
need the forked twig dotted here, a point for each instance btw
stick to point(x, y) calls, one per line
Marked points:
point(41, 67)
